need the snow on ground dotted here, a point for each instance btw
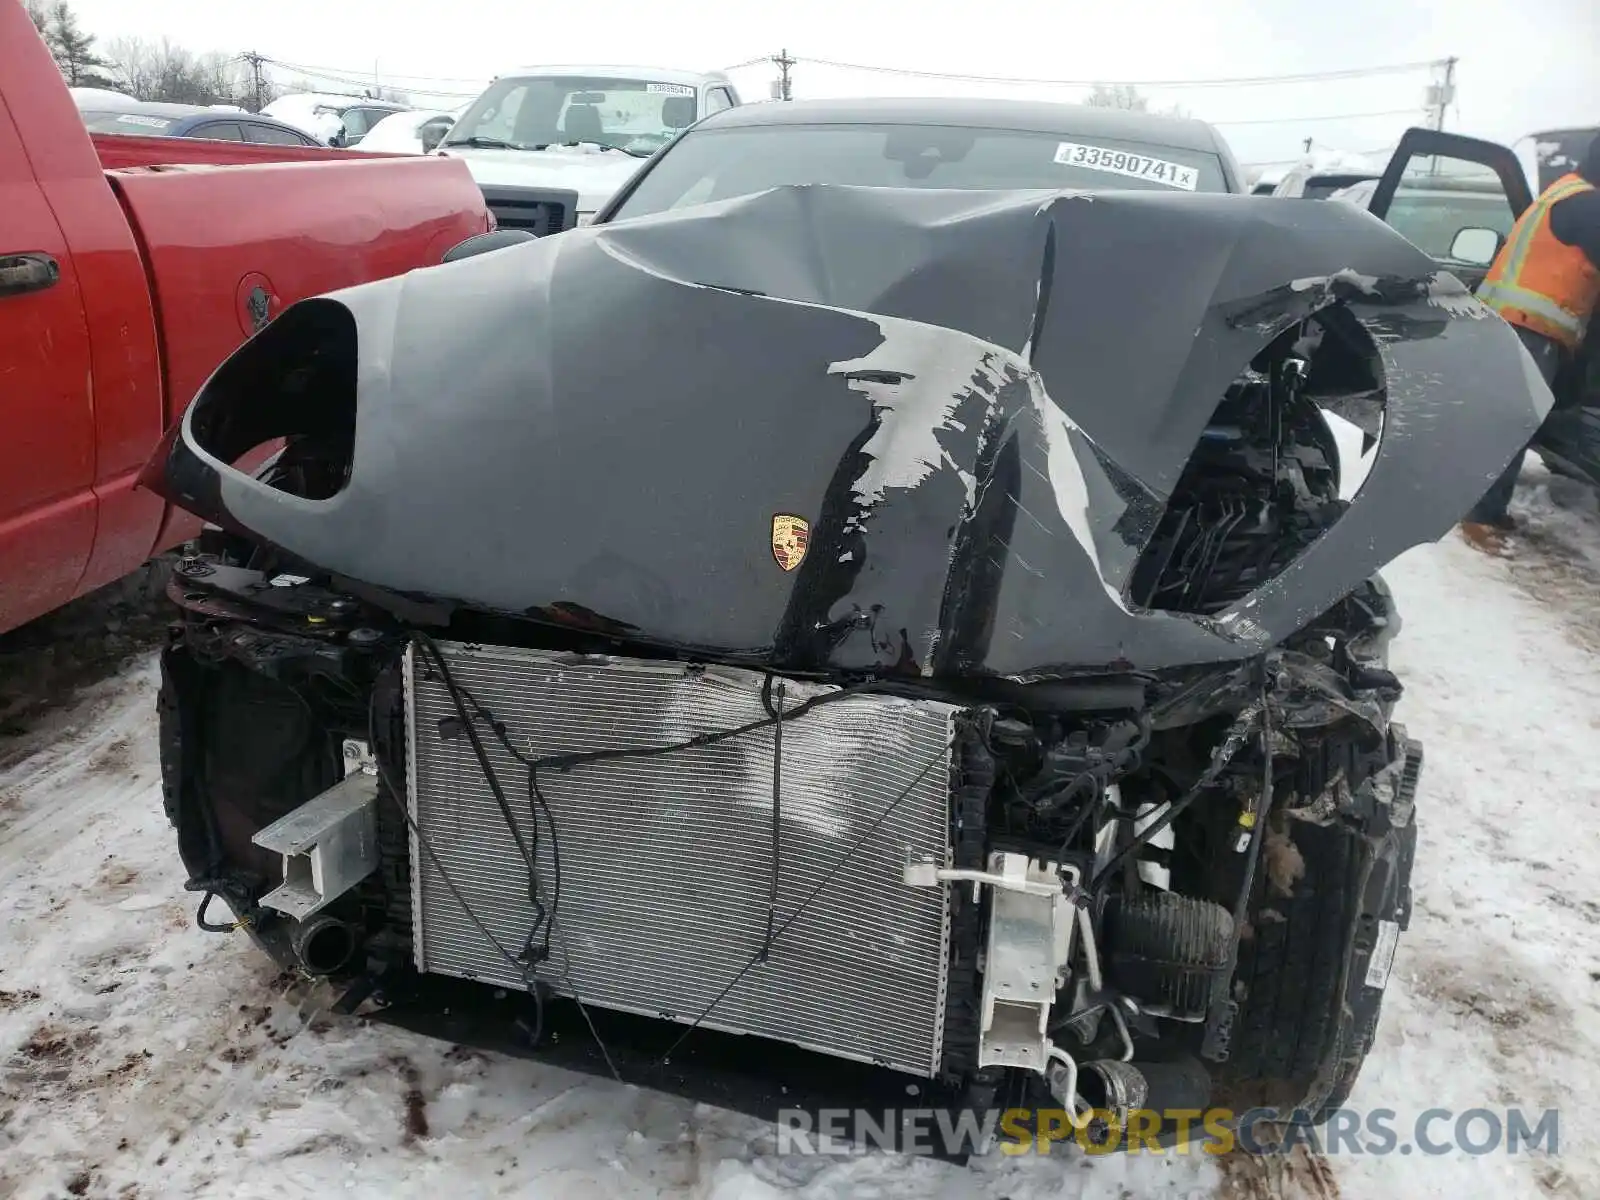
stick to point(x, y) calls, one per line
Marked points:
point(1556, 550)
point(1496, 1000)
point(140, 1058)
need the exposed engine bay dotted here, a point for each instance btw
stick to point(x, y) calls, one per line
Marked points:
point(917, 676)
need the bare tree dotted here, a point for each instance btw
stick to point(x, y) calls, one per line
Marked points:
point(1127, 97)
point(1117, 95)
point(133, 66)
point(225, 79)
point(163, 71)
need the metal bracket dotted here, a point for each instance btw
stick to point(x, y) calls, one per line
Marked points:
point(1031, 922)
point(329, 844)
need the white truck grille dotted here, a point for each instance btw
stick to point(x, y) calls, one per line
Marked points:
point(666, 862)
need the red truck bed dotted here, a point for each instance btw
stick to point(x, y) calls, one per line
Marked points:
point(129, 269)
point(118, 151)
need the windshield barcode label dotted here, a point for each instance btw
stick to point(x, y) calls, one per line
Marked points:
point(1128, 163)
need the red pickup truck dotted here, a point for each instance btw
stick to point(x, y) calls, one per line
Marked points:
point(131, 267)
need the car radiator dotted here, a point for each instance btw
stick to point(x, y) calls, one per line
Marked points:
point(666, 876)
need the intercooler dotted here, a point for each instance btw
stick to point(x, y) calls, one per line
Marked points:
point(672, 869)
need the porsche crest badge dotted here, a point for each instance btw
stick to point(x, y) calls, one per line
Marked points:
point(791, 536)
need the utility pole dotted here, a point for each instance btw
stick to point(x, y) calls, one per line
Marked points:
point(784, 62)
point(1442, 95)
point(257, 80)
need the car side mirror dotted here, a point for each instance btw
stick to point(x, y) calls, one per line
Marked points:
point(1475, 246)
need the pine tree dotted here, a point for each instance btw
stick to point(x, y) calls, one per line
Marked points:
point(40, 18)
point(74, 49)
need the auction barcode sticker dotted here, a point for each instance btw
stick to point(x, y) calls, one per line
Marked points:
point(1126, 162)
point(147, 122)
point(669, 89)
point(1382, 960)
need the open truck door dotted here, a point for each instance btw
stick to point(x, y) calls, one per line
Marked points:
point(1456, 197)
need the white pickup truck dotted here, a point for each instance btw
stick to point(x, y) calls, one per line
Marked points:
point(578, 130)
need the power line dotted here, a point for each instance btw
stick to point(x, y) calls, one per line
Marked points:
point(1393, 112)
point(341, 72)
point(1286, 162)
point(1241, 81)
point(351, 79)
point(332, 71)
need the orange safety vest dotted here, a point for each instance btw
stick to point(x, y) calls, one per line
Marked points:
point(1540, 282)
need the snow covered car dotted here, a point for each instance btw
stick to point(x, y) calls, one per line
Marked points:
point(1321, 173)
point(929, 651)
point(415, 131)
point(332, 119)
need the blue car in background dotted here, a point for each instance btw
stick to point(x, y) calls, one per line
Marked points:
point(148, 119)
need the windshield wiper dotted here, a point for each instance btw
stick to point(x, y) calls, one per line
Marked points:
point(482, 143)
point(605, 146)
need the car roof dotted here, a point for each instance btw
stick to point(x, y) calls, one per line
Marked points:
point(612, 71)
point(159, 108)
point(1033, 116)
point(156, 108)
point(186, 116)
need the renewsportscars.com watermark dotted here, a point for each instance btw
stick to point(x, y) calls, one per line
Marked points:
point(1260, 1131)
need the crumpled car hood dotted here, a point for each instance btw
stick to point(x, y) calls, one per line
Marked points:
point(979, 403)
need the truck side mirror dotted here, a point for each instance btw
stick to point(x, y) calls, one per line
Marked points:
point(484, 243)
point(1475, 246)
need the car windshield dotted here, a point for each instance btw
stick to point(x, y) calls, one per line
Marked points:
point(137, 124)
point(714, 164)
point(637, 116)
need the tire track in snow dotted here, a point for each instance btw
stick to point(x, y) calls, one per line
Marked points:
point(1302, 1174)
point(44, 799)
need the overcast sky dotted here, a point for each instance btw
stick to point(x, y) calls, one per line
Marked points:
point(1534, 64)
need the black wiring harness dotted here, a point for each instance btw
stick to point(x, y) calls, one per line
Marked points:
point(536, 945)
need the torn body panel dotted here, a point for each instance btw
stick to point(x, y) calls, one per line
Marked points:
point(982, 404)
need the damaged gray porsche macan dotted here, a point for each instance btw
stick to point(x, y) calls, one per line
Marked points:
point(917, 633)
